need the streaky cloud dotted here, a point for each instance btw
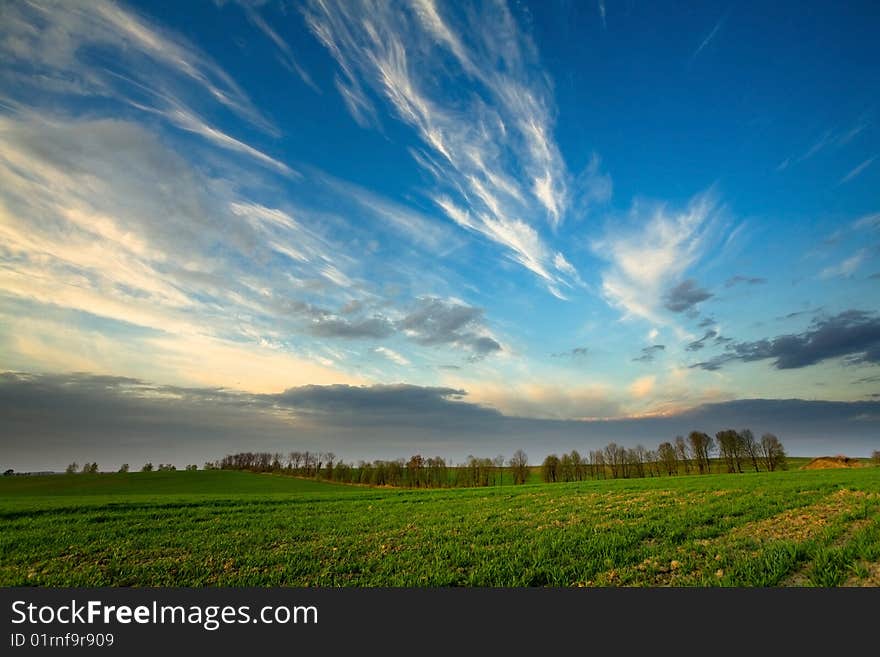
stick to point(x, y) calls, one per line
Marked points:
point(492, 154)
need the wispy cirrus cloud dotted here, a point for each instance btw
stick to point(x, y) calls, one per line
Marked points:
point(652, 254)
point(392, 355)
point(100, 218)
point(830, 139)
point(708, 38)
point(497, 169)
point(858, 170)
point(103, 51)
point(286, 55)
point(847, 267)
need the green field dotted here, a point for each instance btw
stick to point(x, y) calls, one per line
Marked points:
point(221, 528)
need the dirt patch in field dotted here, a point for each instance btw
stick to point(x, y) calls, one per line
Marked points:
point(801, 577)
point(873, 578)
point(802, 523)
point(832, 462)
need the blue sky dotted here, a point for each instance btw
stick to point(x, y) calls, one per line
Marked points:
point(555, 211)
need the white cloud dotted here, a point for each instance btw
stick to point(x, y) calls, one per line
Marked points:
point(856, 171)
point(392, 355)
point(651, 255)
point(147, 68)
point(564, 265)
point(287, 58)
point(643, 386)
point(491, 152)
point(845, 268)
point(867, 221)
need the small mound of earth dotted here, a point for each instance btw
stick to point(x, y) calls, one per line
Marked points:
point(829, 462)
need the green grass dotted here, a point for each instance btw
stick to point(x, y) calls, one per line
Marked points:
point(220, 528)
point(205, 482)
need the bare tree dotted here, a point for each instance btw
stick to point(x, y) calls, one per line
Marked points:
point(700, 443)
point(729, 447)
point(772, 452)
point(550, 469)
point(641, 458)
point(681, 451)
point(414, 470)
point(654, 463)
point(566, 469)
point(499, 468)
point(73, 467)
point(519, 464)
point(615, 458)
point(750, 447)
point(599, 457)
point(668, 457)
point(577, 464)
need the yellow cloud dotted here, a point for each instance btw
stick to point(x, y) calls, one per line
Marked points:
point(643, 386)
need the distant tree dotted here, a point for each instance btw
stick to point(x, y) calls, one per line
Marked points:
point(729, 448)
point(875, 456)
point(700, 448)
point(668, 458)
point(653, 463)
point(640, 459)
point(772, 452)
point(394, 472)
point(550, 468)
point(123, 467)
point(498, 462)
point(681, 451)
point(414, 470)
point(148, 467)
point(192, 467)
point(750, 447)
point(597, 463)
point(710, 449)
point(9, 472)
point(209, 465)
point(167, 467)
point(578, 465)
point(329, 457)
point(70, 469)
point(615, 458)
point(566, 468)
point(519, 464)
point(90, 468)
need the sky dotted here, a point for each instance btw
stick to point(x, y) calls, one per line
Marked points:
point(382, 228)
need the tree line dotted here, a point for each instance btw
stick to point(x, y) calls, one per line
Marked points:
point(416, 472)
point(92, 468)
point(735, 450)
point(731, 449)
